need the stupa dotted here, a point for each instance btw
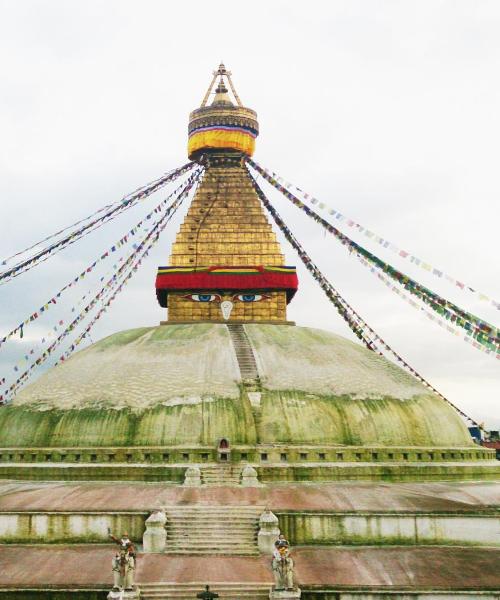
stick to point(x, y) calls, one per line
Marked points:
point(375, 479)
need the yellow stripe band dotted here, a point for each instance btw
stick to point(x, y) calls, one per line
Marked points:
point(220, 138)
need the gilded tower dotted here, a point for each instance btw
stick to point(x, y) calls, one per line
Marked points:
point(226, 264)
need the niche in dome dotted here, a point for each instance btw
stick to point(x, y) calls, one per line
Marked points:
point(223, 450)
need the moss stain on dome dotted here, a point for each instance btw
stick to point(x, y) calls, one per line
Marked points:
point(319, 361)
point(297, 417)
point(180, 384)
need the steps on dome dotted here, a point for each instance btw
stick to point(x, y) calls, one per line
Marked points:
point(188, 591)
point(203, 529)
point(221, 475)
point(244, 353)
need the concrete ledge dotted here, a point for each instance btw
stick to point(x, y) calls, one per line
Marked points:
point(268, 473)
point(228, 322)
point(338, 594)
point(389, 529)
point(302, 528)
point(472, 497)
point(241, 454)
point(372, 569)
point(92, 472)
point(307, 594)
point(323, 472)
point(53, 594)
point(69, 527)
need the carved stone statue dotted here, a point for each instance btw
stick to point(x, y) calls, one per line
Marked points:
point(123, 563)
point(282, 566)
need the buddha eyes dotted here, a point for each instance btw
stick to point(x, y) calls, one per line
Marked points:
point(249, 297)
point(218, 298)
point(204, 297)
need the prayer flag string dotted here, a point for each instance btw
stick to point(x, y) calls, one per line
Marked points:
point(341, 218)
point(428, 314)
point(115, 210)
point(161, 226)
point(109, 252)
point(357, 324)
point(483, 332)
point(113, 286)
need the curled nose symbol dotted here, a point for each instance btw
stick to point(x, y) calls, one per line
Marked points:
point(226, 307)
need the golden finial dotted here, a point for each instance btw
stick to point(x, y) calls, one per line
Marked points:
point(221, 72)
point(223, 125)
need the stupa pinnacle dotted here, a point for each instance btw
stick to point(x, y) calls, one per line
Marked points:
point(226, 264)
point(239, 426)
point(222, 125)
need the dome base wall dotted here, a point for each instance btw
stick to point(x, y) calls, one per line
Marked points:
point(273, 464)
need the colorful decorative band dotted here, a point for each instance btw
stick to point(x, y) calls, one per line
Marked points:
point(238, 128)
point(257, 278)
point(222, 137)
point(226, 269)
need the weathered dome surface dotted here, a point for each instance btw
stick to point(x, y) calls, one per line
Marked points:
point(180, 385)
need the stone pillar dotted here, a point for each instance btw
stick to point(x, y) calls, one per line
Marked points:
point(268, 532)
point(249, 477)
point(192, 477)
point(155, 536)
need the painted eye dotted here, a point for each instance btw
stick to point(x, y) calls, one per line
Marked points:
point(250, 297)
point(203, 297)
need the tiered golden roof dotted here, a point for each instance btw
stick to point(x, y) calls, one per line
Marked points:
point(226, 253)
point(225, 224)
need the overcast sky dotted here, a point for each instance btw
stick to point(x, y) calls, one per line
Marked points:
point(386, 110)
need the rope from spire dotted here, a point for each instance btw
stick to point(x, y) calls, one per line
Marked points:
point(108, 292)
point(371, 235)
point(51, 302)
point(356, 323)
point(483, 332)
point(114, 210)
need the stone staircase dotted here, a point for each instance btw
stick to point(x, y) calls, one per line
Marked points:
point(220, 475)
point(188, 591)
point(244, 353)
point(205, 529)
point(248, 367)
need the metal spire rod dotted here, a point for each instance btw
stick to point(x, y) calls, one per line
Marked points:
point(221, 72)
point(236, 97)
point(207, 95)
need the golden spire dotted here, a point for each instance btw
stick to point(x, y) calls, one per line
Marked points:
point(225, 264)
point(221, 96)
point(222, 124)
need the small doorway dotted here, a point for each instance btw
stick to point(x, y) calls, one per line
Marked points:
point(223, 450)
